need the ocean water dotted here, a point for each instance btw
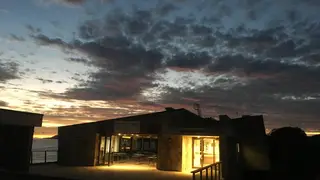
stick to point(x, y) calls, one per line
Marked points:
point(44, 150)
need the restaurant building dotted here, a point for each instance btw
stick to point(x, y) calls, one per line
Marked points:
point(174, 140)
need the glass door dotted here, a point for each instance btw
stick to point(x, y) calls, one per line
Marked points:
point(208, 151)
point(197, 153)
point(203, 151)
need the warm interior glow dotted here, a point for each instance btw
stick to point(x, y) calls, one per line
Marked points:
point(199, 151)
point(217, 150)
point(126, 137)
point(41, 136)
point(186, 154)
point(130, 167)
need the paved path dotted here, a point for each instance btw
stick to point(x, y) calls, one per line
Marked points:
point(115, 172)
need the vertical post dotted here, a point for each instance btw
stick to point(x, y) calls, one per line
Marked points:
point(211, 172)
point(142, 144)
point(194, 176)
point(99, 142)
point(45, 156)
point(31, 157)
point(207, 174)
point(111, 144)
point(201, 175)
point(215, 172)
point(220, 170)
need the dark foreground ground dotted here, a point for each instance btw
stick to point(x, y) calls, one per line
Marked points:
point(15, 176)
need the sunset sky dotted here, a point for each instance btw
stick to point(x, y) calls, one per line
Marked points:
point(79, 61)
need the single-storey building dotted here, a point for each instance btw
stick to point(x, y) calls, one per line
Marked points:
point(16, 135)
point(178, 139)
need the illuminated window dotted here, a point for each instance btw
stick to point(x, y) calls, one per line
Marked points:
point(125, 144)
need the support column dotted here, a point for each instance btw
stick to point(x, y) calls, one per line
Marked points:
point(169, 153)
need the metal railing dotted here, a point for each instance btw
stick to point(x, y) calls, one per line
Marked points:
point(43, 156)
point(212, 172)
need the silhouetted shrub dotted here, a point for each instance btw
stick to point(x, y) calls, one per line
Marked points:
point(288, 152)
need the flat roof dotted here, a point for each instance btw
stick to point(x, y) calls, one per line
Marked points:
point(21, 118)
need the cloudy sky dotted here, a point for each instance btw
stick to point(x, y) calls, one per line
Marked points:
point(79, 61)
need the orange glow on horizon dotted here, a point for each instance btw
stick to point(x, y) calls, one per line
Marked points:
point(309, 133)
point(313, 133)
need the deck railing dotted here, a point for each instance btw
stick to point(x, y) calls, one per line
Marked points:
point(43, 156)
point(212, 172)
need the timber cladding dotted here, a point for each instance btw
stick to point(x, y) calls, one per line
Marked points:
point(169, 152)
point(77, 145)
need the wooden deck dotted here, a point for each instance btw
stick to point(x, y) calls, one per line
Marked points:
point(115, 172)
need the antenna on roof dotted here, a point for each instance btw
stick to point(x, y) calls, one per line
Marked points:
point(196, 106)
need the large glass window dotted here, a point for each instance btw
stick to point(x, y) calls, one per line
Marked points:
point(153, 145)
point(125, 143)
point(128, 143)
point(205, 151)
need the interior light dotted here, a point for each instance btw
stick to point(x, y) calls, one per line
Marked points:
point(129, 167)
point(119, 134)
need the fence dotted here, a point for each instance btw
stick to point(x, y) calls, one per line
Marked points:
point(212, 172)
point(43, 156)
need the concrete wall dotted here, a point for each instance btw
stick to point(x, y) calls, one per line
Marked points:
point(169, 153)
point(76, 145)
point(249, 133)
point(229, 156)
point(15, 147)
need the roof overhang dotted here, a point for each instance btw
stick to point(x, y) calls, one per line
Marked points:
point(11, 117)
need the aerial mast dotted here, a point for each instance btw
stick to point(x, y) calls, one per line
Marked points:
point(196, 106)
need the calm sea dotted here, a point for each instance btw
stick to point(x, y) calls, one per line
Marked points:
point(44, 150)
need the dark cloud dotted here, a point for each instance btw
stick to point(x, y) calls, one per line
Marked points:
point(67, 3)
point(8, 70)
point(60, 82)
point(33, 29)
point(255, 66)
point(44, 81)
point(166, 8)
point(14, 37)
point(265, 63)
point(44, 40)
point(56, 24)
point(76, 2)
point(79, 60)
point(3, 103)
point(190, 60)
